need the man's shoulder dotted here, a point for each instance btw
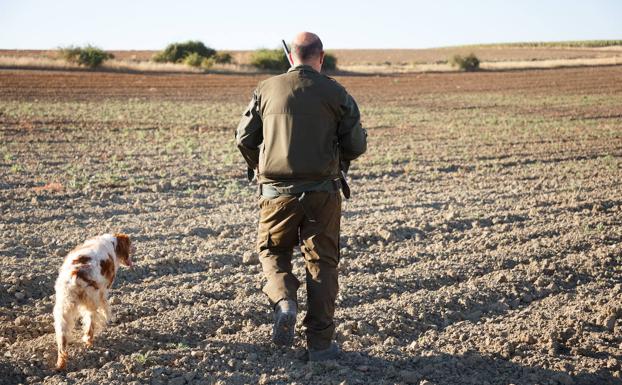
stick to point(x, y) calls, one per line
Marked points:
point(277, 78)
point(273, 80)
point(289, 76)
point(282, 82)
point(331, 85)
point(333, 82)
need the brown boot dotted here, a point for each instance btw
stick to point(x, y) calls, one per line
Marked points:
point(330, 353)
point(284, 322)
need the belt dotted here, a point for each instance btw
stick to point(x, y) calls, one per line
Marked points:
point(270, 191)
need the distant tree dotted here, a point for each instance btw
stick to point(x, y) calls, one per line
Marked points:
point(88, 56)
point(465, 63)
point(330, 62)
point(222, 58)
point(194, 59)
point(269, 59)
point(177, 52)
point(275, 59)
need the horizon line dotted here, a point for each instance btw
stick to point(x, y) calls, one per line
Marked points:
point(518, 42)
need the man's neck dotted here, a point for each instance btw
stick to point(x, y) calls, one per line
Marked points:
point(312, 65)
point(305, 66)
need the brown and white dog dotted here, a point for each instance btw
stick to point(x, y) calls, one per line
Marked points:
point(82, 288)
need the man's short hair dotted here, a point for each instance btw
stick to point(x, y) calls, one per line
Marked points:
point(307, 51)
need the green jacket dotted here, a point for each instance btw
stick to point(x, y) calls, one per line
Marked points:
point(298, 127)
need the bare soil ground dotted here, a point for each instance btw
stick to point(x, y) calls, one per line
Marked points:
point(482, 244)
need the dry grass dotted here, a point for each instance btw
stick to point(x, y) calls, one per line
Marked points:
point(554, 63)
point(116, 65)
point(347, 57)
point(504, 65)
point(47, 62)
point(38, 62)
point(358, 61)
point(148, 66)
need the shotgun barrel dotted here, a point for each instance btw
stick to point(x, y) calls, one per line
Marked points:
point(288, 54)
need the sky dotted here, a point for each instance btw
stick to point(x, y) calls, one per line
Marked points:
point(234, 25)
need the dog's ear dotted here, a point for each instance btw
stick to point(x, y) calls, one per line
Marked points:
point(123, 249)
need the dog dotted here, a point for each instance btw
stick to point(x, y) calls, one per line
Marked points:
point(82, 288)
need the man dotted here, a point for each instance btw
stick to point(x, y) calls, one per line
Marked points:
point(296, 131)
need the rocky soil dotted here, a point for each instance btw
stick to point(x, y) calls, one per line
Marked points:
point(482, 245)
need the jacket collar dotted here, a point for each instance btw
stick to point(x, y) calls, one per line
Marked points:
point(302, 67)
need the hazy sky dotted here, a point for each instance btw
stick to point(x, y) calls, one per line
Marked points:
point(231, 24)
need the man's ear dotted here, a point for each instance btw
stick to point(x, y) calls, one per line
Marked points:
point(322, 57)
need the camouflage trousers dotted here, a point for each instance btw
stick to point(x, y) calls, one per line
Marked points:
point(313, 223)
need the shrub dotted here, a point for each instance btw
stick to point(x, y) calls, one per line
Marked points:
point(465, 63)
point(207, 62)
point(330, 62)
point(222, 58)
point(159, 57)
point(194, 59)
point(88, 56)
point(269, 59)
point(275, 59)
point(177, 52)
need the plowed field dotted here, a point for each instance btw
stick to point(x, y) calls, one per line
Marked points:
point(482, 244)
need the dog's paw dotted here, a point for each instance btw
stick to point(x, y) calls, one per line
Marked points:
point(88, 341)
point(61, 363)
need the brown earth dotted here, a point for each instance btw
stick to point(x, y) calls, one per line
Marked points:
point(482, 244)
point(379, 89)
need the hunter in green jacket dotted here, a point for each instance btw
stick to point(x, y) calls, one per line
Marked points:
point(300, 130)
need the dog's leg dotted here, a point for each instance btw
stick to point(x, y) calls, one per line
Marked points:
point(61, 359)
point(64, 322)
point(105, 306)
point(88, 324)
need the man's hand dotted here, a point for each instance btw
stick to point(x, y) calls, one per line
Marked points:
point(251, 174)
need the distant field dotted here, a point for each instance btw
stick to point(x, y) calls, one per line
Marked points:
point(408, 59)
point(558, 44)
point(489, 54)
